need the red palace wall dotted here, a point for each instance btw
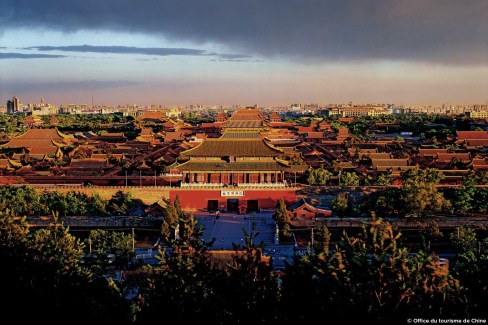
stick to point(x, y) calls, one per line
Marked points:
point(198, 199)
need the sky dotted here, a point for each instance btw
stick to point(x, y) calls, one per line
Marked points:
point(225, 52)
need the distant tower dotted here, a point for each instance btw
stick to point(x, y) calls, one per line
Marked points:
point(10, 107)
point(16, 103)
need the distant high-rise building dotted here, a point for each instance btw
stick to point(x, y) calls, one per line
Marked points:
point(14, 105)
point(10, 107)
point(17, 104)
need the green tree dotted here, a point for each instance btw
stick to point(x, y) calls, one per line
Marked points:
point(97, 206)
point(311, 179)
point(189, 228)
point(323, 176)
point(372, 273)
point(103, 242)
point(76, 203)
point(22, 200)
point(45, 273)
point(57, 202)
point(282, 218)
point(481, 198)
point(250, 290)
point(471, 267)
point(318, 176)
point(419, 192)
point(429, 232)
point(383, 180)
point(121, 203)
point(322, 241)
point(350, 179)
point(464, 196)
point(181, 285)
point(463, 199)
point(387, 201)
point(177, 205)
point(340, 204)
point(170, 223)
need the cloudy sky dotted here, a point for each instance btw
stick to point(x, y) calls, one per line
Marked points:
point(244, 52)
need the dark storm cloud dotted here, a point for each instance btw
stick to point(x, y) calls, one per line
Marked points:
point(159, 51)
point(235, 60)
point(443, 31)
point(29, 56)
point(234, 56)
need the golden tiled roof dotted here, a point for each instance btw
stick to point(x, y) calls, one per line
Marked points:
point(389, 162)
point(431, 152)
point(39, 141)
point(218, 166)
point(447, 157)
point(247, 114)
point(232, 147)
point(4, 163)
point(470, 135)
point(88, 163)
point(376, 155)
point(152, 116)
point(244, 124)
point(240, 135)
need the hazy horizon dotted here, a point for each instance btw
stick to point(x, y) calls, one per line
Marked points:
point(265, 52)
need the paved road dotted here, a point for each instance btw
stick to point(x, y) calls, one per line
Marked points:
point(229, 228)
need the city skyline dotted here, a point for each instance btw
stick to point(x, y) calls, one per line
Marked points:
point(271, 53)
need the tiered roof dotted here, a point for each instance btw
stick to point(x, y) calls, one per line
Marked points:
point(217, 166)
point(240, 135)
point(325, 126)
point(220, 117)
point(31, 121)
point(40, 141)
point(247, 115)
point(275, 117)
point(233, 147)
point(242, 139)
point(146, 135)
point(244, 124)
point(152, 116)
point(247, 118)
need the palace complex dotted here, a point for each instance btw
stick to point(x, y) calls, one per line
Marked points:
point(242, 161)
